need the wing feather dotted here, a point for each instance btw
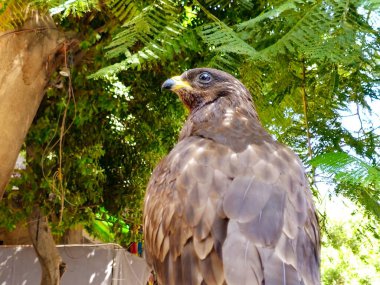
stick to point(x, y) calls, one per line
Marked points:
point(244, 266)
point(273, 210)
point(244, 199)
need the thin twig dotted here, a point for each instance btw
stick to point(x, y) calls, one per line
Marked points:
point(61, 136)
point(27, 31)
point(305, 105)
point(360, 120)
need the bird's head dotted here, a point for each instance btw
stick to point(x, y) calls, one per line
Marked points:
point(203, 86)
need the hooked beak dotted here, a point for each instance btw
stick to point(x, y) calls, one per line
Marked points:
point(175, 83)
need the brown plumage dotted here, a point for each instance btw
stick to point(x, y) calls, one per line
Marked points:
point(228, 204)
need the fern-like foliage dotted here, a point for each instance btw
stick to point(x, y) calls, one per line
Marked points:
point(360, 180)
point(124, 10)
point(223, 39)
point(313, 30)
point(316, 29)
point(349, 169)
point(76, 8)
point(13, 14)
point(237, 5)
point(161, 30)
point(157, 28)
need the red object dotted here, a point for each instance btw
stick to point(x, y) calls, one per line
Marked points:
point(133, 248)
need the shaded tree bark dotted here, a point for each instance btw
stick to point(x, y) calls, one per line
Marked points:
point(25, 64)
point(52, 266)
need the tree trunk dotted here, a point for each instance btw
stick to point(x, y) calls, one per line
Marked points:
point(52, 266)
point(25, 57)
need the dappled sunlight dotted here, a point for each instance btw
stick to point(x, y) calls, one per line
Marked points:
point(90, 254)
point(13, 262)
point(108, 270)
point(103, 264)
point(92, 277)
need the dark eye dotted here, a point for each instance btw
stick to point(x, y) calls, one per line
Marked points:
point(204, 77)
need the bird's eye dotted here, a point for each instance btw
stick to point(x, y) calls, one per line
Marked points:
point(204, 77)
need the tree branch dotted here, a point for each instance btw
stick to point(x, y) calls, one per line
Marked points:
point(52, 266)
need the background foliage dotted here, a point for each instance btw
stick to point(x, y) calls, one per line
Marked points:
point(100, 130)
point(350, 255)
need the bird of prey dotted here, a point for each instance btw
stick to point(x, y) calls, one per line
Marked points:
point(228, 204)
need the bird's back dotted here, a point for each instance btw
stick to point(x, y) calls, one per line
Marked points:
point(216, 214)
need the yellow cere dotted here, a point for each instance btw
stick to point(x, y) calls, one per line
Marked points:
point(179, 83)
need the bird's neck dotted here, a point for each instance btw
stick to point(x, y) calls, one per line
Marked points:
point(222, 124)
